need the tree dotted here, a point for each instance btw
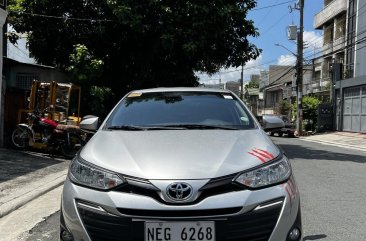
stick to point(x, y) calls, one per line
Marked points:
point(86, 72)
point(141, 43)
point(284, 107)
point(310, 107)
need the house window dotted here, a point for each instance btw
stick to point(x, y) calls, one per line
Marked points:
point(351, 34)
point(25, 80)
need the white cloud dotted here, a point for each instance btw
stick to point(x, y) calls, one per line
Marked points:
point(313, 40)
point(286, 60)
point(233, 74)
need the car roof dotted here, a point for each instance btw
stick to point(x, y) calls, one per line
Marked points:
point(182, 89)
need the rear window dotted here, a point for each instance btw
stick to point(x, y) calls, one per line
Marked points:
point(181, 108)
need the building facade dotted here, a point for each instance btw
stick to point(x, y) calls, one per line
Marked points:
point(343, 61)
point(233, 86)
point(332, 19)
point(350, 87)
point(282, 86)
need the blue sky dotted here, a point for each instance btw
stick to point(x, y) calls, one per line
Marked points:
point(272, 23)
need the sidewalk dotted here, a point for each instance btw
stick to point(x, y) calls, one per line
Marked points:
point(349, 140)
point(25, 176)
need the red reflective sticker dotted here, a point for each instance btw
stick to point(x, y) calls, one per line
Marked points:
point(263, 156)
point(257, 156)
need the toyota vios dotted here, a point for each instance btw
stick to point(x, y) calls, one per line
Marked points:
point(180, 164)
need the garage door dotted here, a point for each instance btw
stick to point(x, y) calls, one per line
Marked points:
point(354, 109)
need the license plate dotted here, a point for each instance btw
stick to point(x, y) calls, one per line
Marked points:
point(180, 231)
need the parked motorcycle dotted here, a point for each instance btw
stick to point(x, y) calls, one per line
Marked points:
point(44, 133)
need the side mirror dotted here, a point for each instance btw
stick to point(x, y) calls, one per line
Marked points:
point(90, 123)
point(271, 123)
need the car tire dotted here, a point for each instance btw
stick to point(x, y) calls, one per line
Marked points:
point(271, 133)
point(280, 134)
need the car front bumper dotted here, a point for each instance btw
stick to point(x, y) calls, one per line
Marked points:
point(266, 214)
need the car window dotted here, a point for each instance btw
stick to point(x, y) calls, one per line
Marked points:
point(181, 108)
point(285, 119)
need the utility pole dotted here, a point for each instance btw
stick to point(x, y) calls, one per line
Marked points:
point(300, 60)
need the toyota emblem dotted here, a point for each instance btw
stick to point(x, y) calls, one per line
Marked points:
point(179, 191)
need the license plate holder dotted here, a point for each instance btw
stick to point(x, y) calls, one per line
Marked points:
point(180, 231)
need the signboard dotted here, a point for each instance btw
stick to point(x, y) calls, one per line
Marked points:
point(253, 91)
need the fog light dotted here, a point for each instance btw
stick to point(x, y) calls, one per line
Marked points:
point(66, 236)
point(294, 234)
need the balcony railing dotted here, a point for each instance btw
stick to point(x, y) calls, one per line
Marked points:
point(339, 44)
point(329, 12)
point(325, 83)
point(315, 85)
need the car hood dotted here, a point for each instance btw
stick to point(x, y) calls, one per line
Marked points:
point(179, 154)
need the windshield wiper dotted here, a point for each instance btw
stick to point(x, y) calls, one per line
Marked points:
point(127, 128)
point(202, 127)
point(144, 128)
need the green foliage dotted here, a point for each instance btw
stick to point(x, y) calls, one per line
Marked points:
point(83, 66)
point(86, 71)
point(141, 43)
point(284, 107)
point(253, 84)
point(309, 109)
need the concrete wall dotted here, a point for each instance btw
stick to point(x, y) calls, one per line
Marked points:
point(3, 15)
point(330, 11)
point(45, 74)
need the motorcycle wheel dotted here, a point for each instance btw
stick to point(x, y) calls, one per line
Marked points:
point(20, 138)
point(71, 147)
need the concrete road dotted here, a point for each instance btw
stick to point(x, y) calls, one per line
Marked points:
point(25, 222)
point(332, 183)
point(47, 230)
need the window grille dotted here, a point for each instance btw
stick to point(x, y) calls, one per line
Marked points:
point(25, 80)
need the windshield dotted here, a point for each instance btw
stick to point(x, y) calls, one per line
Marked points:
point(180, 110)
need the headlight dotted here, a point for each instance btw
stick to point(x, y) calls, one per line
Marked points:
point(270, 174)
point(92, 176)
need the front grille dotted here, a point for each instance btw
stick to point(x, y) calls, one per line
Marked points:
point(179, 213)
point(251, 226)
point(213, 187)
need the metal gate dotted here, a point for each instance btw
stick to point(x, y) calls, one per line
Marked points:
point(354, 109)
point(325, 117)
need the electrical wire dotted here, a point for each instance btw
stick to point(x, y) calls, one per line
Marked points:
point(60, 17)
point(271, 6)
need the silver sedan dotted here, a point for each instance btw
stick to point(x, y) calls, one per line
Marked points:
point(180, 164)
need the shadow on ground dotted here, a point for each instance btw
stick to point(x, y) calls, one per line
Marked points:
point(302, 151)
point(17, 163)
point(314, 237)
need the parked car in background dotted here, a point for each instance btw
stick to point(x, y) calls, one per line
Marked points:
point(180, 164)
point(289, 128)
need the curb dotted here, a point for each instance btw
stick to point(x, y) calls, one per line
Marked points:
point(336, 144)
point(18, 202)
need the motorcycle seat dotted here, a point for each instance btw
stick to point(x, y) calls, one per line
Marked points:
point(66, 127)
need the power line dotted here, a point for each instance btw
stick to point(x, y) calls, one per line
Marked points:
point(271, 6)
point(279, 20)
point(60, 17)
point(279, 78)
point(266, 15)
